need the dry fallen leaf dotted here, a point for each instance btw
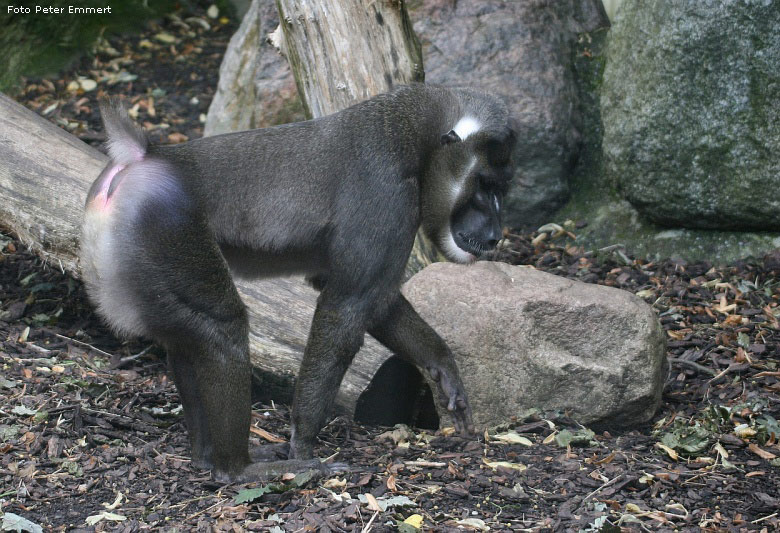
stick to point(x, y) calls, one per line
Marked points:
point(372, 503)
point(176, 137)
point(763, 454)
point(415, 520)
point(263, 434)
point(743, 431)
point(504, 464)
point(511, 437)
point(669, 451)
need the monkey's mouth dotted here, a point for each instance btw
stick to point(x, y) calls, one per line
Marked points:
point(469, 244)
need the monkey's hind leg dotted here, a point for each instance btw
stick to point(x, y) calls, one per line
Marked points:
point(191, 306)
point(166, 271)
point(153, 268)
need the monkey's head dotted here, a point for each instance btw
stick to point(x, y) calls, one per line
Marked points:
point(467, 177)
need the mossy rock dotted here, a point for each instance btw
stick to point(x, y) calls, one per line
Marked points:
point(690, 111)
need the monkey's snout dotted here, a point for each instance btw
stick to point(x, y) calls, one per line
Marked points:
point(472, 245)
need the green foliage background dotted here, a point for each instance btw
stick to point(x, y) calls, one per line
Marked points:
point(41, 44)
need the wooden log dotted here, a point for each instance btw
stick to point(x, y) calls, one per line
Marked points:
point(44, 176)
point(346, 51)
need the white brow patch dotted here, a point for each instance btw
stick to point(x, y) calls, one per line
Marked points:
point(467, 126)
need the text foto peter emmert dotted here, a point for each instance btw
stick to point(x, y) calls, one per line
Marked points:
point(51, 10)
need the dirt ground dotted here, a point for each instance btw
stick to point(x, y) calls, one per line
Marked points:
point(92, 437)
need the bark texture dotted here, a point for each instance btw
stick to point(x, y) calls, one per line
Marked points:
point(345, 51)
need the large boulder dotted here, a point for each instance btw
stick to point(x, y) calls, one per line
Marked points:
point(690, 110)
point(610, 219)
point(520, 50)
point(527, 339)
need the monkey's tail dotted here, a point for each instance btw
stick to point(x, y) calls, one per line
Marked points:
point(127, 142)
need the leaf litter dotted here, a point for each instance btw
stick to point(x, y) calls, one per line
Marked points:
point(105, 422)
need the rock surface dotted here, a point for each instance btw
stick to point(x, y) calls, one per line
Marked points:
point(610, 219)
point(256, 88)
point(520, 50)
point(690, 110)
point(527, 339)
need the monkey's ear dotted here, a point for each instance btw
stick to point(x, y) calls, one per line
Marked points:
point(450, 137)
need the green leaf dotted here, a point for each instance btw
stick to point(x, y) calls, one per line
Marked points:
point(8, 432)
point(403, 527)
point(27, 279)
point(692, 440)
point(250, 495)
point(7, 384)
point(301, 479)
point(564, 438)
point(21, 410)
point(399, 501)
point(46, 286)
point(769, 425)
point(743, 340)
point(41, 318)
point(581, 437)
point(73, 468)
point(14, 522)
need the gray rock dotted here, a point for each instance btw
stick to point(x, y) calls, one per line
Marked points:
point(611, 219)
point(614, 221)
point(256, 88)
point(527, 339)
point(521, 50)
point(690, 104)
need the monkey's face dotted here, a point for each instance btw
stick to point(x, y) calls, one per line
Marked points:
point(466, 184)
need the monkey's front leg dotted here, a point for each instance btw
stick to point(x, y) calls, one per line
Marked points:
point(336, 336)
point(405, 333)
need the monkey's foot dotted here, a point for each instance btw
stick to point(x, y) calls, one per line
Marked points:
point(266, 470)
point(452, 395)
point(269, 452)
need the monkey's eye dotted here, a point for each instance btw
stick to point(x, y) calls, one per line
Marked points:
point(498, 152)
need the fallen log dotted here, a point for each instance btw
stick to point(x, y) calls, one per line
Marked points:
point(44, 176)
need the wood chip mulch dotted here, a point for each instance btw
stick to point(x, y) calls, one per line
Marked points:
point(92, 437)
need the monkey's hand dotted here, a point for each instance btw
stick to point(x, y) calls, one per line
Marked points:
point(452, 394)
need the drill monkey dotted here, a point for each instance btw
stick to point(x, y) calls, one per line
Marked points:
point(339, 199)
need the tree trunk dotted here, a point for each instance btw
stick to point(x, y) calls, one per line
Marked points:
point(346, 51)
point(44, 177)
point(342, 52)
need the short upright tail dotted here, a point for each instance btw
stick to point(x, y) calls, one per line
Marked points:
point(127, 142)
